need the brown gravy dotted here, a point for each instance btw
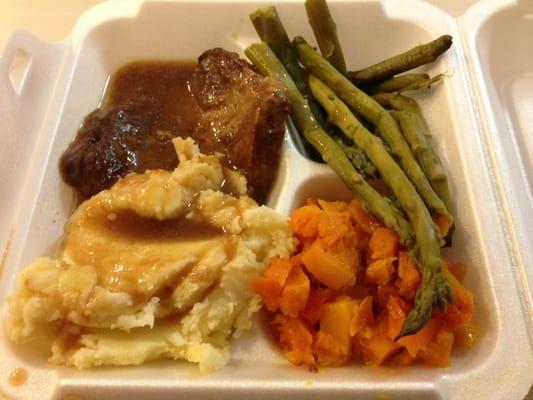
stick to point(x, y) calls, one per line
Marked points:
point(129, 225)
point(162, 85)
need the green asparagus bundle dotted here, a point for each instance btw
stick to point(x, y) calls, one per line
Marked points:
point(434, 286)
point(266, 62)
point(271, 30)
point(386, 126)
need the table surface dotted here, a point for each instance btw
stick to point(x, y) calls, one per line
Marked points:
point(53, 20)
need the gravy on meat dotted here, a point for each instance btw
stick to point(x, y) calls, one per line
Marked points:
point(146, 104)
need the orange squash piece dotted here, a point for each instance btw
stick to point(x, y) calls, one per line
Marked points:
point(408, 276)
point(384, 292)
point(329, 351)
point(336, 319)
point(438, 351)
point(296, 340)
point(315, 304)
point(295, 293)
point(304, 221)
point(329, 269)
point(380, 271)
point(397, 310)
point(363, 316)
point(270, 285)
point(333, 227)
point(332, 206)
point(420, 341)
point(361, 218)
point(383, 243)
point(377, 347)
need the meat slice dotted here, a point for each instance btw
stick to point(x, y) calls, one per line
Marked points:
point(112, 143)
point(222, 103)
point(243, 115)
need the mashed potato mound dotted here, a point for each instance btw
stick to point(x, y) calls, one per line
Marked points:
point(158, 266)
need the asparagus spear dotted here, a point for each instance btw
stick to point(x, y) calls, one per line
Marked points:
point(419, 55)
point(386, 126)
point(397, 102)
point(422, 84)
point(266, 62)
point(270, 29)
point(417, 134)
point(416, 131)
point(398, 82)
point(325, 32)
point(434, 287)
point(357, 157)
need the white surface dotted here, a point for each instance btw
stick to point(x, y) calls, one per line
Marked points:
point(64, 82)
point(502, 71)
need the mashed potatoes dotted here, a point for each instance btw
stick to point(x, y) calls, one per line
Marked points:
point(159, 266)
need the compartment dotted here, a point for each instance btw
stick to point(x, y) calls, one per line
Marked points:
point(502, 68)
point(118, 32)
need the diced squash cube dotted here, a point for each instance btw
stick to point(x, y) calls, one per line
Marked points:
point(408, 276)
point(296, 340)
point(329, 269)
point(315, 304)
point(438, 351)
point(278, 270)
point(270, 285)
point(419, 342)
point(383, 243)
point(361, 218)
point(295, 293)
point(269, 290)
point(377, 347)
point(384, 292)
point(329, 351)
point(336, 318)
point(380, 271)
point(332, 206)
point(397, 310)
point(363, 316)
point(333, 227)
point(304, 221)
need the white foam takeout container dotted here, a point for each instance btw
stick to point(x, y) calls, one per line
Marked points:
point(480, 118)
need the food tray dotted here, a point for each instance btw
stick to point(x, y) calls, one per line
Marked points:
point(480, 125)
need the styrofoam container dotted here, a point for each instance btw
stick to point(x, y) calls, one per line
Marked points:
point(479, 117)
